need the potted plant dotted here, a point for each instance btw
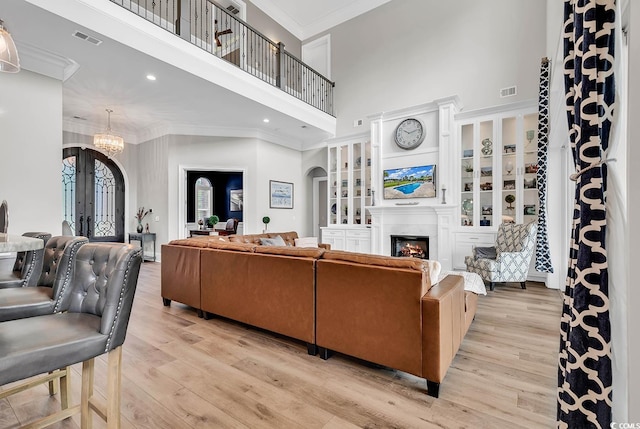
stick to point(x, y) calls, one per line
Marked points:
point(266, 221)
point(212, 221)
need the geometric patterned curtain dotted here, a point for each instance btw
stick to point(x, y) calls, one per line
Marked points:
point(543, 254)
point(584, 364)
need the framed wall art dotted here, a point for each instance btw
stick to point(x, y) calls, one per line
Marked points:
point(280, 195)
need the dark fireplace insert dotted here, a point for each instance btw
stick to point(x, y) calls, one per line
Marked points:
point(410, 245)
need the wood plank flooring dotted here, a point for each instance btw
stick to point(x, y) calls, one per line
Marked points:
point(180, 371)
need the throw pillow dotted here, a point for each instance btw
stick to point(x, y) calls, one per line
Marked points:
point(306, 242)
point(485, 252)
point(275, 241)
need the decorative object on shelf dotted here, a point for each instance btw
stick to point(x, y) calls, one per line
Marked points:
point(530, 209)
point(509, 167)
point(510, 199)
point(141, 215)
point(509, 185)
point(212, 221)
point(266, 220)
point(487, 210)
point(468, 187)
point(444, 192)
point(530, 135)
point(467, 167)
point(486, 186)
point(373, 197)
point(9, 60)
point(368, 162)
point(531, 168)
point(485, 222)
point(334, 208)
point(487, 147)
point(486, 171)
point(410, 182)
point(146, 228)
point(280, 195)
point(467, 153)
point(509, 148)
point(409, 134)
point(467, 206)
point(358, 162)
point(108, 142)
point(201, 223)
point(530, 183)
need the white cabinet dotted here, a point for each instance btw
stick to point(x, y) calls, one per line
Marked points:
point(349, 183)
point(498, 166)
point(352, 239)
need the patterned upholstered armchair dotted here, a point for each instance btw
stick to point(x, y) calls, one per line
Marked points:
point(513, 251)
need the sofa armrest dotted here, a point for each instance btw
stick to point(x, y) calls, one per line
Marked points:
point(325, 246)
point(443, 326)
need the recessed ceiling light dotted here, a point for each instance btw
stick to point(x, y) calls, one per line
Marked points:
point(151, 77)
point(265, 120)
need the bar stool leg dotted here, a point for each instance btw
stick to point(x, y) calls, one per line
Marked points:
point(65, 388)
point(86, 393)
point(114, 381)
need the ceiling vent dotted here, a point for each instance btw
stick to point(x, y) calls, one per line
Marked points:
point(508, 92)
point(81, 35)
point(233, 9)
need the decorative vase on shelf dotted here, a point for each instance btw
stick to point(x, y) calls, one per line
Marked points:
point(139, 227)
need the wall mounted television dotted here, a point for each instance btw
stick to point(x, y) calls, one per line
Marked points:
point(410, 182)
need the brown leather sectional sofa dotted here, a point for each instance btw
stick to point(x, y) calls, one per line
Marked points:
point(381, 309)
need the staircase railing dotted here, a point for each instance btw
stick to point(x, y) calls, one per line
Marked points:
point(211, 27)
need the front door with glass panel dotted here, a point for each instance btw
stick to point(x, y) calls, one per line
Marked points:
point(93, 195)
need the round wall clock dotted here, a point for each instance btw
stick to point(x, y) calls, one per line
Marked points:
point(409, 134)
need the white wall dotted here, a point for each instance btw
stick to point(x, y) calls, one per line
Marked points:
point(31, 151)
point(260, 161)
point(409, 52)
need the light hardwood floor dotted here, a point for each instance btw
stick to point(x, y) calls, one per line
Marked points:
point(180, 371)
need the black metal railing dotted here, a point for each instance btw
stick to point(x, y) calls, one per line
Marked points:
point(211, 27)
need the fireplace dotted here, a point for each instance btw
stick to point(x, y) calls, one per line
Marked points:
point(409, 245)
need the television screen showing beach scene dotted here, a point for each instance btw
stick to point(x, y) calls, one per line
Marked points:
point(410, 182)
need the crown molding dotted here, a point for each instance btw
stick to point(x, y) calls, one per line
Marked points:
point(46, 63)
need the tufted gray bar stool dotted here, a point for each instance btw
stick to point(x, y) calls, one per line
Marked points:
point(51, 287)
point(27, 267)
point(93, 322)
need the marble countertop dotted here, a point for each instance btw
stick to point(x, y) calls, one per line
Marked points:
point(18, 243)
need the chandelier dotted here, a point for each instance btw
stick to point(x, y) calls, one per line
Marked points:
point(107, 141)
point(9, 61)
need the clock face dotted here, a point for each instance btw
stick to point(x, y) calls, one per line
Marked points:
point(409, 134)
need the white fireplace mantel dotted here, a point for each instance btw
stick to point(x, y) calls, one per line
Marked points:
point(435, 221)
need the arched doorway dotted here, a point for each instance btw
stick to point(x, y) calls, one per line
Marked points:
point(93, 195)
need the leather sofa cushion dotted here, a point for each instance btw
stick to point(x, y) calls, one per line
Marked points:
point(227, 245)
point(191, 242)
point(288, 237)
point(305, 252)
point(379, 260)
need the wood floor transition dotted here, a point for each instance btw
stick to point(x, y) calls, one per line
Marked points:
point(184, 372)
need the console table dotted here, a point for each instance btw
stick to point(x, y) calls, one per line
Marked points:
point(207, 231)
point(145, 237)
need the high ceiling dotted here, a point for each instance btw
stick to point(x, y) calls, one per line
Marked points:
point(113, 75)
point(306, 18)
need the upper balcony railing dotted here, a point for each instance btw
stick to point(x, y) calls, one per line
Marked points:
point(210, 27)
